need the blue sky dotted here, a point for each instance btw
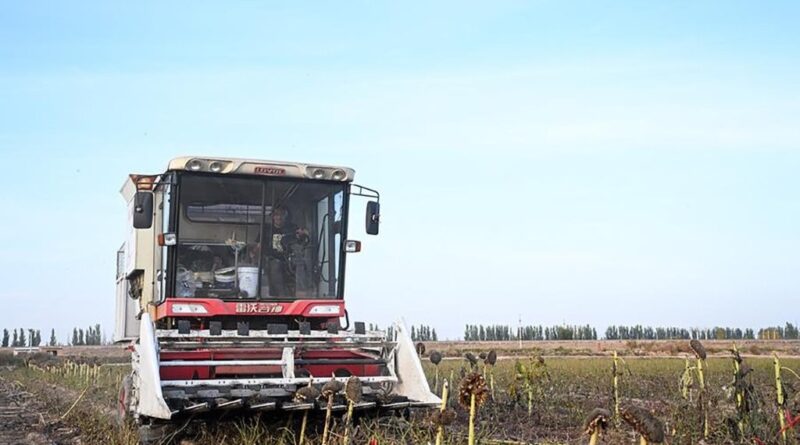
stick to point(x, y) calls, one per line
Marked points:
point(580, 162)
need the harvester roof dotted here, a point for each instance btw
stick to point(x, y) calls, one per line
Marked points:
point(261, 167)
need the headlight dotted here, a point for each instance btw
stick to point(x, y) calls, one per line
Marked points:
point(325, 310)
point(187, 308)
point(170, 239)
point(194, 165)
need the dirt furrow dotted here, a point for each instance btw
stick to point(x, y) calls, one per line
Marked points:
point(24, 419)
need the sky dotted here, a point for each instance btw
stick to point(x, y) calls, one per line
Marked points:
point(556, 162)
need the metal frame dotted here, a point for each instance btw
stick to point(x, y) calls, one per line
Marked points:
point(268, 381)
point(175, 219)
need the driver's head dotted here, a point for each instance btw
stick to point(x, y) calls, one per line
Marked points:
point(279, 216)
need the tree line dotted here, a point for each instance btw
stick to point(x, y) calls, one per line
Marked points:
point(423, 333)
point(33, 337)
point(21, 337)
point(507, 333)
point(639, 332)
point(500, 332)
point(91, 337)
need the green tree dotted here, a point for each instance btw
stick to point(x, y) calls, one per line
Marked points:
point(22, 340)
point(53, 340)
point(5, 338)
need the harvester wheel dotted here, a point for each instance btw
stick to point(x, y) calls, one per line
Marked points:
point(155, 434)
point(124, 401)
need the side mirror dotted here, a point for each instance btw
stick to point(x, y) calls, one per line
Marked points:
point(373, 217)
point(142, 210)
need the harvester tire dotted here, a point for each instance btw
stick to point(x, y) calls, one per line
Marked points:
point(123, 415)
point(155, 434)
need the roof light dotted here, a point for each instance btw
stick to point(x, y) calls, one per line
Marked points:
point(319, 173)
point(188, 308)
point(338, 175)
point(215, 167)
point(143, 183)
point(324, 310)
point(194, 165)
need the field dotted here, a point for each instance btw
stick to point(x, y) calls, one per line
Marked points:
point(72, 400)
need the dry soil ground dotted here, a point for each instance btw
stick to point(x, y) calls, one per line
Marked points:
point(578, 379)
point(24, 420)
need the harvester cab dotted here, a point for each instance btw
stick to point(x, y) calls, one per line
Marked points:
point(230, 288)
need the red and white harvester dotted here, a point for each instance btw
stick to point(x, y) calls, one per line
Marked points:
point(230, 288)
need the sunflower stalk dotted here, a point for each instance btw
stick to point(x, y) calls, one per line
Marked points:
point(436, 358)
point(472, 419)
point(703, 396)
point(326, 428)
point(687, 380)
point(780, 396)
point(346, 439)
point(615, 371)
point(353, 392)
point(440, 429)
point(472, 392)
point(700, 352)
point(529, 389)
point(491, 382)
point(450, 380)
point(739, 390)
point(303, 424)
point(329, 391)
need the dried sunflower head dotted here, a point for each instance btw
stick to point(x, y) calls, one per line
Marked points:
point(331, 388)
point(473, 361)
point(491, 358)
point(306, 394)
point(472, 384)
point(420, 348)
point(482, 356)
point(352, 389)
point(644, 423)
point(698, 349)
point(596, 420)
point(436, 357)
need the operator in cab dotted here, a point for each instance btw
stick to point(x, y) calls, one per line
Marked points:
point(282, 254)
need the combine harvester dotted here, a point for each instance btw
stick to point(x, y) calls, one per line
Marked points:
point(230, 289)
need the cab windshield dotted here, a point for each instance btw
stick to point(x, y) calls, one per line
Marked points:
point(254, 238)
